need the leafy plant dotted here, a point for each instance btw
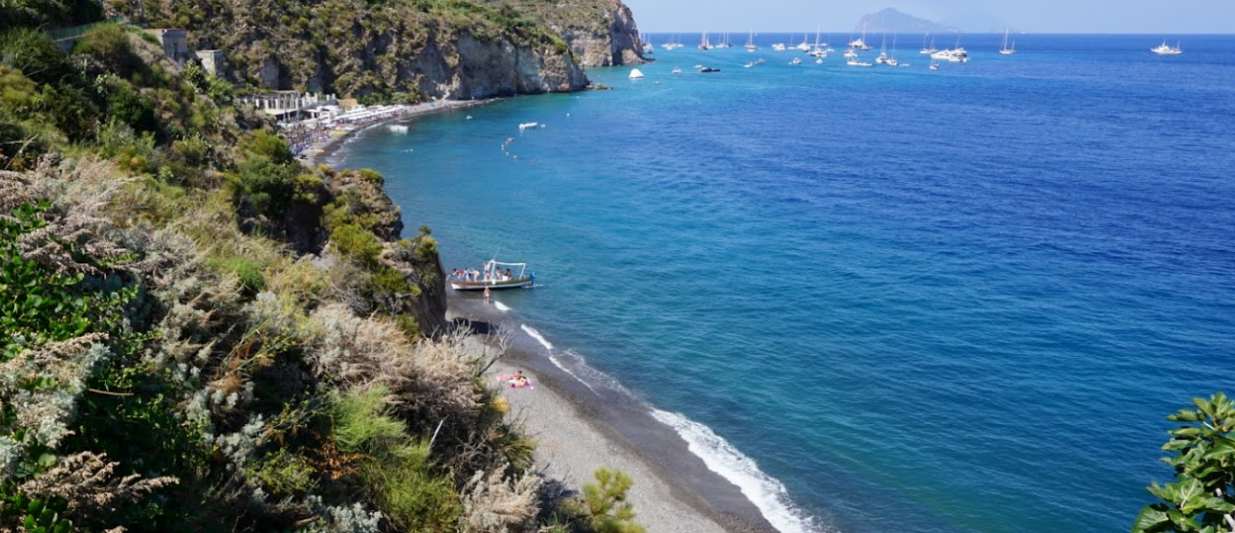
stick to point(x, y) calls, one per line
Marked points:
point(606, 505)
point(1202, 497)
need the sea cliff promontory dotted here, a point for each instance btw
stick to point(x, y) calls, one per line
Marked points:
point(403, 50)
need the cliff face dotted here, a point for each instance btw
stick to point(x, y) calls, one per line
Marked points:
point(600, 33)
point(400, 51)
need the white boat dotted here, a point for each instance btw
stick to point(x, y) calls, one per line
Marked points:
point(528, 125)
point(749, 64)
point(1166, 49)
point(648, 47)
point(495, 275)
point(635, 74)
point(802, 46)
point(750, 43)
point(884, 58)
point(860, 43)
point(820, 50)
point(703, 42)
point(928, 49)
point(851, 54)
point(819, 61)
point(1005, 50)
point(795, 61)
point(676, 71)
point(934, 65)
point(778, 47)
point(400, 129)
point(724, 43)
point(856, 63)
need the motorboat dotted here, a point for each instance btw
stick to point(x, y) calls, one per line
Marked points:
point(709, 69)
point(676, 71)
point(856, 63)
point(795, 61)
point(778, 47)
point(1167, 50)
point(635, 74)
point(494, 275)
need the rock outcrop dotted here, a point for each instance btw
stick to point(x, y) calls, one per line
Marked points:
point(601, 33)
point(385, 51)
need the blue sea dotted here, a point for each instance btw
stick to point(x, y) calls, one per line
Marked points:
point(900, 299)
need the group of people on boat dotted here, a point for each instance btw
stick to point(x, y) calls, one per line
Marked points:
point(460, 274)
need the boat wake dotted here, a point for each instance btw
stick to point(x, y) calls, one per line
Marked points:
point(766, 492)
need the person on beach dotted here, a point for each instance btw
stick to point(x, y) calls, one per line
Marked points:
point(488, 296)
point(516, 380)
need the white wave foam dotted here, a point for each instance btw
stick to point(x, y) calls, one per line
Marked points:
point(501, 306)
point(531, 332)
point(553, 359)
point(766, 492)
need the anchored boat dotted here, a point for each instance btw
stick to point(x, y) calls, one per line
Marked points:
point(495, 276)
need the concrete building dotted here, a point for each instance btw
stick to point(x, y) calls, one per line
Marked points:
point(213, 62)
point(175, 43)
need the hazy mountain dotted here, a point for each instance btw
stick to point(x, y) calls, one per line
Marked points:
point(894, 21)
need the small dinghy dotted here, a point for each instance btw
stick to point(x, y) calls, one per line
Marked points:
point(495, 275)
point(635, 74)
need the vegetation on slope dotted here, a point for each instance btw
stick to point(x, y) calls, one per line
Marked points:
point(200, 333)
point(375, 50)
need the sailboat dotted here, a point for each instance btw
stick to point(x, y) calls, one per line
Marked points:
point(928, 50)
point(1005, 50)
point(750, 43)
point(860, 43)
point(820, 50)
point(724, 43)
point(1166, 49)
point(803, 46)
point(703, 42)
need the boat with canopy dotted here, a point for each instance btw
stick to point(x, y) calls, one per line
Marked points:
point(495, 275)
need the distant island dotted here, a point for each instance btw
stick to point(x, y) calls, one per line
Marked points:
point(892, 20)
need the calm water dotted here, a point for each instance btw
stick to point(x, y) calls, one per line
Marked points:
point(961, 300)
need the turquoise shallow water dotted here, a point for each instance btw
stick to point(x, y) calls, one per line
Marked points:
point(961, 300)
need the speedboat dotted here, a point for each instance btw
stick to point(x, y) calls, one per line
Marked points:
point(856, 63)
point(934, 66)
point(1166, 49)
point(778, 47)
point(709, 69)
point(494, 275)
point(795, 61)
point(676, 70)
point(851, 54)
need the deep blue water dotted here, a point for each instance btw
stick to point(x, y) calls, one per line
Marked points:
point(961, 300)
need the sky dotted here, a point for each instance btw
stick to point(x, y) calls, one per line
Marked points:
point(1157, 17)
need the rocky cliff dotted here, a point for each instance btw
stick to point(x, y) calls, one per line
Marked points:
point(405, 51)
point(600, 33)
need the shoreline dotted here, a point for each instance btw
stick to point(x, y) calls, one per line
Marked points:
point(581, 426)
point(319, 150)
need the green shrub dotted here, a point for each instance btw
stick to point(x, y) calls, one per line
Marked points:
point(396, 469)
point(1202, 448)
point(361, 424)
point(119, 142)
point(109, 45)
point(356, 243)
point(35, 55)
point(248, 271)
point(41, 303)
point(268, 145)
point(283, 473)
point(606, 505)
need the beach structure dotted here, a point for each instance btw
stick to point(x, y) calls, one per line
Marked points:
point(175, 43)
point(289, 106)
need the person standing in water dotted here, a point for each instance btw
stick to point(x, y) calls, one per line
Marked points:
point(488, 296)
